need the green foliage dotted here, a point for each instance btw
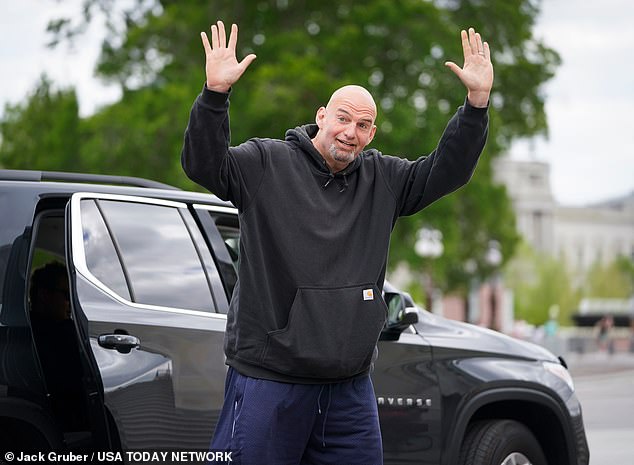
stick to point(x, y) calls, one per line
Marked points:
point(540, 282)
point(306, 49)
point(469, 220)
point(614, 280)
point(139, 136)
point(43, 132)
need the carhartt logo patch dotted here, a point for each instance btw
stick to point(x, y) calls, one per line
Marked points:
point(368, 294)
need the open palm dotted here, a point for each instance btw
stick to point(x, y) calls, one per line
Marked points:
point(222, 68)
point(477, 71)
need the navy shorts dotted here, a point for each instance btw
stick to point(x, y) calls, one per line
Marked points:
point(267, 422)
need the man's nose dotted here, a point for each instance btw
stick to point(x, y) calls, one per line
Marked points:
point(349, 131)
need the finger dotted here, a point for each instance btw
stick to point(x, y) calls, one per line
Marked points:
point(233, 38)
point(206, 45)
point(222, 35)
point(466, 48)
point(214, 36)
point(487, 51)
point(244, 64)
point(479, 43)
point(454, 67)
point(472, 41)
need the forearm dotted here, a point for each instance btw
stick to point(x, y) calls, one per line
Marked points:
point(450, 165)
point(206, 144)
point(458, 150)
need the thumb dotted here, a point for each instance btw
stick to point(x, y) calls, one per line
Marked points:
point(246, 61)
point(454, 67)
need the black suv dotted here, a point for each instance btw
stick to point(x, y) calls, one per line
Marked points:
point(151, 269)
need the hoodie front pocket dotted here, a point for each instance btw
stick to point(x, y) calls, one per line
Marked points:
point(331, 333)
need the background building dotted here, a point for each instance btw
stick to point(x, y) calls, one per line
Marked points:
point(579, 235)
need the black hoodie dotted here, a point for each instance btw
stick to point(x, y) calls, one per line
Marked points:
point(307, 307)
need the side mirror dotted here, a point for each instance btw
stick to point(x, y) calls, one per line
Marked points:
point(407, 317)
point(401, 318)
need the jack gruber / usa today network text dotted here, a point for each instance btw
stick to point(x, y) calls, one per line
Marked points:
point(127, 456)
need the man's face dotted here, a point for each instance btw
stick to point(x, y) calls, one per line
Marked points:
point(58, 300)
point(346, 127)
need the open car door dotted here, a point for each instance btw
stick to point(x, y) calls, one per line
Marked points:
point(145, 295)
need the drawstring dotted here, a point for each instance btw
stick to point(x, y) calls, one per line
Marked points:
point(323, 428)
point(330, 178)
point(319, 399)
point(342, 186)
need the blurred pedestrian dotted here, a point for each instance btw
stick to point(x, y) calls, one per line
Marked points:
point(630, 315)
point(603, 329)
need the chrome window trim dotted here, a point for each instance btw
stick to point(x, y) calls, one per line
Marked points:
point(217, 208)
point(79, 256)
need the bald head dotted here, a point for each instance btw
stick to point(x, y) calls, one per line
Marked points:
point(358, 95)
point(346, 126)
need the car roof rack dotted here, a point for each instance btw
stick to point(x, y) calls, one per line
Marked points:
point(38, 176)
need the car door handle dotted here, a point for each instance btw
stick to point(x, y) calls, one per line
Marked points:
point(123, 343)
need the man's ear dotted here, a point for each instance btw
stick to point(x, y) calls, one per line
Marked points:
point(320, 117)
point(372, 133)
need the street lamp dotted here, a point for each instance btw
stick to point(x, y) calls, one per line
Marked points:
point(470, 302)
point(428, 245)
point(494, 258)
point(494, 254)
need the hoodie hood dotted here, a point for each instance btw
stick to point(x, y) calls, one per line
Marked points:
point(302, 136)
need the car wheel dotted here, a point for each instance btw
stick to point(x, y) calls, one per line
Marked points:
point(500, 442)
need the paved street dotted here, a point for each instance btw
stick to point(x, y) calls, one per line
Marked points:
point(605, 386)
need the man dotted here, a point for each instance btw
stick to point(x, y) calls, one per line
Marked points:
point(56, 342)
point(316, 213)
point(49, 295)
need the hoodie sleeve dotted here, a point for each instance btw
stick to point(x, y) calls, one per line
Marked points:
point(231, 173)
point(416, 184)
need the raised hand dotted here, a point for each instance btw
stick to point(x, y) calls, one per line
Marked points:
point(221, 65)
point(477, 72)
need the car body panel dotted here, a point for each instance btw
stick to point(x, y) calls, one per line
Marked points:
point(408, 399)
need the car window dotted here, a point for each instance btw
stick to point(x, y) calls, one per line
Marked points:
point(101, 256)
point(211, 219)
point(229, 229)
point(231, 236)
point(156, 252)
point(48, 250)
point(213, 275)
point(48, 238)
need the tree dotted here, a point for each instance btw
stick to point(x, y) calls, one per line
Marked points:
point(42, 132)
point(141, 135)
point(540, 282)
point(306, 49)
point(612, 280)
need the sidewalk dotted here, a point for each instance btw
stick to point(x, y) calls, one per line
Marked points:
point(599, 363)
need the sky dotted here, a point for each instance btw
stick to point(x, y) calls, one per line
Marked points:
point(590, 146)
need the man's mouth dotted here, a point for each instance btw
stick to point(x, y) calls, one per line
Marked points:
point(346, 144)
